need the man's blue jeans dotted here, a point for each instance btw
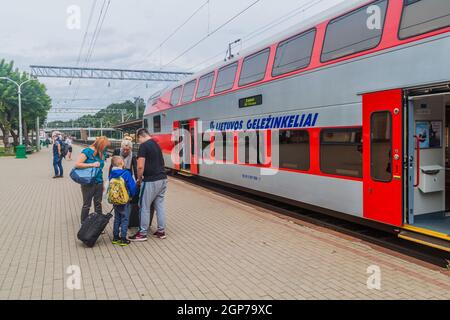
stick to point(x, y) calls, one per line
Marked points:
point(121, 219)
point(57, 165)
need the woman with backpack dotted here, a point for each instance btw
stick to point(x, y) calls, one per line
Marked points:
point(93, 157)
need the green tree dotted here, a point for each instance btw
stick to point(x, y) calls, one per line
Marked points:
point(35, 103)
point(110, 115)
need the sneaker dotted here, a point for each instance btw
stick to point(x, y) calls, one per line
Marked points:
point(124, 242)
point(138, 237)
point(160, 234)
point(116, 241)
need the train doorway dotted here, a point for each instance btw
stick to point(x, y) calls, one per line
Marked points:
point(185, 153)
point(428, 167)
point(382, 147)
point(188, 145)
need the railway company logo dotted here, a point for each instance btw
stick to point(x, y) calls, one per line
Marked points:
point(271, 122)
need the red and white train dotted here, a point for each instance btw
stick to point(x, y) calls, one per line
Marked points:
point(359, 100)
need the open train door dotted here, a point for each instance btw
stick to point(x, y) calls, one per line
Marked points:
point(176, 155)
point(382, 157)
point(194, 146)
point(187, 146)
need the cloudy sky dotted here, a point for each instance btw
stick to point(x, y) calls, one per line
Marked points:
point(37, 32)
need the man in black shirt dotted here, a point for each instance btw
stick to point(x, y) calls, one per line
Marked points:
point(152, 179)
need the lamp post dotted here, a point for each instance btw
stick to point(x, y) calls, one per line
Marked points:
point(20, 149)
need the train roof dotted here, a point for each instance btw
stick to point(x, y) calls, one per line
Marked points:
point(330, 13)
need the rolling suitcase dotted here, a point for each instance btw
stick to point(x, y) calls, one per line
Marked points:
point(92, 228)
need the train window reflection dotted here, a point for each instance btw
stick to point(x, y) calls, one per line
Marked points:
point(294, 149)
point(422, 16)
point(354, 32)
point(225, 78)
point(204, 85)
point(294, 53)
point(188, 92)
point(341, 152)
point(157, 124)
point(175, 98)
point(254, 68)
point(381, 147)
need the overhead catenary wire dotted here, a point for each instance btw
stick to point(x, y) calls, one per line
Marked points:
point(95, 35)
point(98, 29)
point(175, 31)
point(301, 9)
point(213, 32)
point(91, 14)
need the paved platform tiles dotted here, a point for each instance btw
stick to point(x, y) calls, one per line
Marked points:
point(217, 248)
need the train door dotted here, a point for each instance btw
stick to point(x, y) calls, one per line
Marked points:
point(428, 205)
point(188, 141)
point(382, 155)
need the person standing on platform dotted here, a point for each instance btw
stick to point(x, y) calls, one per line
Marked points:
point(69, 144)
point(93, 157)
point(126, 152)
point(57, 157)
point(152, 178)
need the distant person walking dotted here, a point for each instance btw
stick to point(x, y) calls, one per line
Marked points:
point(153, 181)
point(69, 144)
point(93, 157)
point(57, 157)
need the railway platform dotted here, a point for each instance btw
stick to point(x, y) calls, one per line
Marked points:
point(217, 248)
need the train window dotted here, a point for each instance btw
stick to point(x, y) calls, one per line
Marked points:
point(354, 32)
point(223, 141)
point(422, 16)
point(294, 53)
point(157, 124)
point(188, 92)
point(204, 85)
point(341, 152)
point(225, 78)
point(251, 147)
point(175, 98)
point(381, 147)
point(254, 67)
point(294, 149)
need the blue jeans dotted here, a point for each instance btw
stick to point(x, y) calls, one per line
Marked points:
point(57, 165)
point(121, 218)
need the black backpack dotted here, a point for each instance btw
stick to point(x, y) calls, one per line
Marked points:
point(64, 149)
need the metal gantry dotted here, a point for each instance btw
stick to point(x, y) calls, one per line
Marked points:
point(107, 74)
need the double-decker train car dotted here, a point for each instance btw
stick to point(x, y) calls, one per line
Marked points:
point(358, 101)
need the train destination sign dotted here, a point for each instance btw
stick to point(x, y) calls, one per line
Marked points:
point(250, 101)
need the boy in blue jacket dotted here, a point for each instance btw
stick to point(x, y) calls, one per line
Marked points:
point(122, 212)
